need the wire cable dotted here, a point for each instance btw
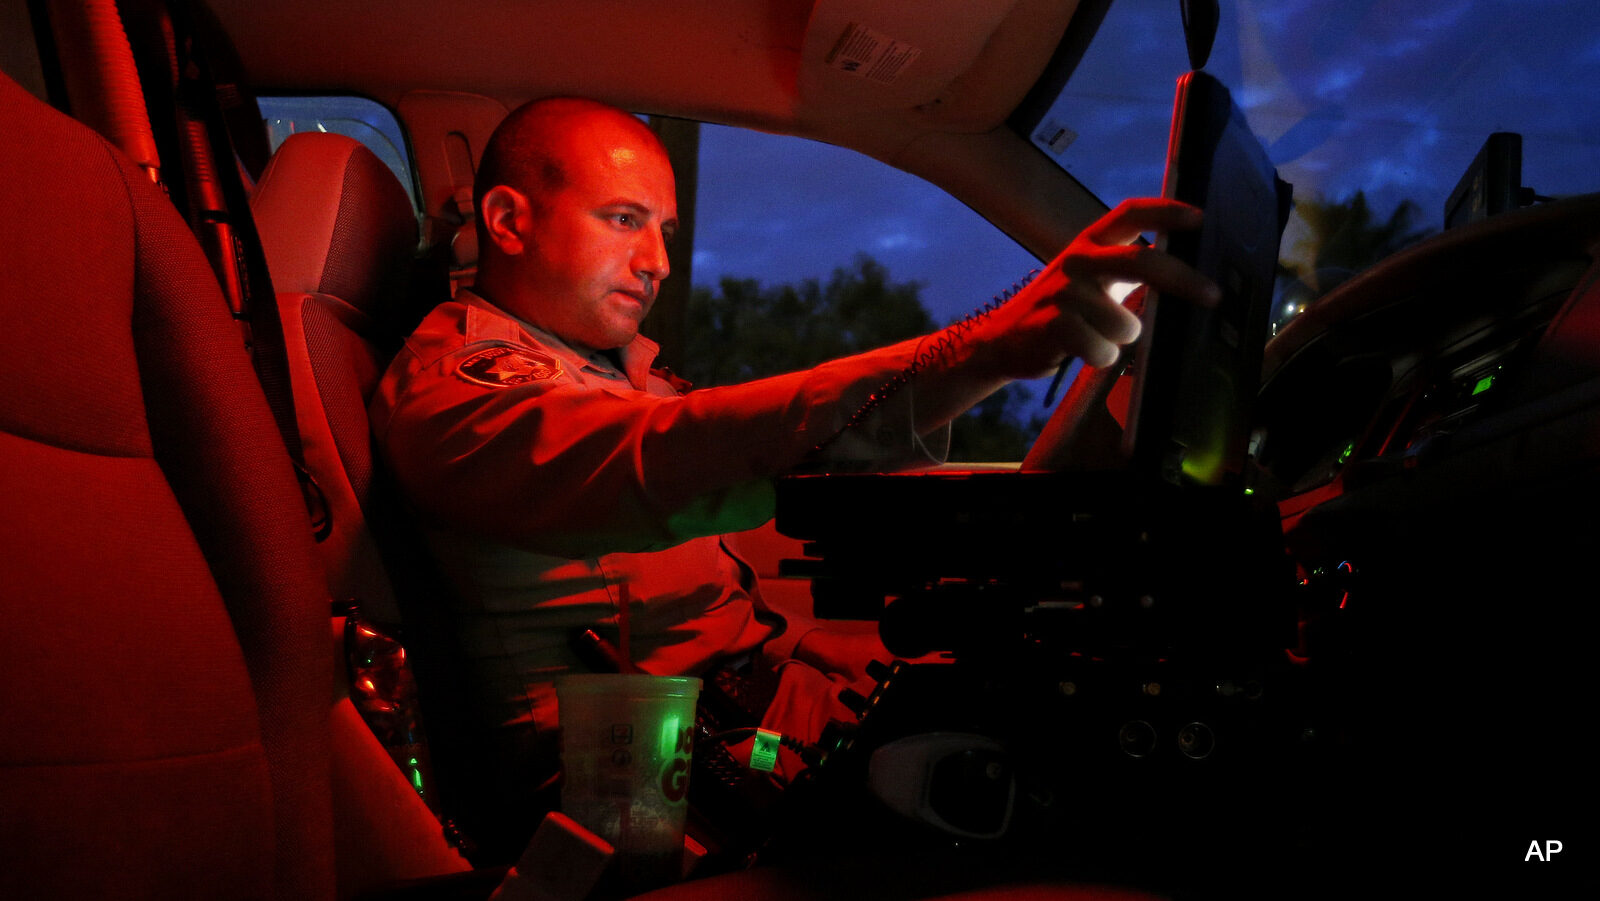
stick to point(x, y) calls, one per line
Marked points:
point(941, 346)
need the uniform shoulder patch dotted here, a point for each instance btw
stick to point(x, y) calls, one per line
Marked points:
point(505, 367)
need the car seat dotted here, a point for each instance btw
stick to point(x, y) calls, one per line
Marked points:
point(165, 658)
point(339, 233)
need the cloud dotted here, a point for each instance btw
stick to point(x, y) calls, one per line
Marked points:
point(1334, 83)
point(900, 241)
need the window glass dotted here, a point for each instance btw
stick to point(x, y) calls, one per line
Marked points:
point(805, 251)
point(366, 121)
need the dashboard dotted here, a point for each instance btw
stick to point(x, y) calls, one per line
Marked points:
point(1430, 348)
point(1380, 640)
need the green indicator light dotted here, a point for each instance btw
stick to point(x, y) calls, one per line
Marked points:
point(1249, 491)
point(1348, 450)
point(764, 753)
point(1484, 384)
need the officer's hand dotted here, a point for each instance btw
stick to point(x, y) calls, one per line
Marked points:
point(1067, 311)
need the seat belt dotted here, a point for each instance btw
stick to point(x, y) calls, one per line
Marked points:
point(219, 213)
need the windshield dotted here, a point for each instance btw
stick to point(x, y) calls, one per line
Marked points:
point(1372, 109)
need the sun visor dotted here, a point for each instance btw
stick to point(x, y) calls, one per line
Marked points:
point(888, 54)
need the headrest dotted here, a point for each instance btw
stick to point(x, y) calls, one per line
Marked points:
point(333, 220)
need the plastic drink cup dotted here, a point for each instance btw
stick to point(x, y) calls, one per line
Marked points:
point(625, 751)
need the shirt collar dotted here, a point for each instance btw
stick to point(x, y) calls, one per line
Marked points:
point(487, 322)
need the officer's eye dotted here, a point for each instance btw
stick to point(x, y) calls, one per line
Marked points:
point(624, 219)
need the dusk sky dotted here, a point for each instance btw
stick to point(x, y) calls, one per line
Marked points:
point(785, 209)
point(1393, 97)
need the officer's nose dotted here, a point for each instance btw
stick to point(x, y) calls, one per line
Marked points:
point(650, 256)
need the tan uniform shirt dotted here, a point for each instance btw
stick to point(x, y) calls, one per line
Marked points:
point(549, 478)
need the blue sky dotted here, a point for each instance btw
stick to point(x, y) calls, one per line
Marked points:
point(784, 209)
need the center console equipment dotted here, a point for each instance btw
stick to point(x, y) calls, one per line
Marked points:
point(1097, 654)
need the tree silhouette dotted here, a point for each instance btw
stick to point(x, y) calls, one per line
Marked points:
point(746, 330)
point(1343, 237)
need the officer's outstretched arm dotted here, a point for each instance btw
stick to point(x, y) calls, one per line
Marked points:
point(1067, 311)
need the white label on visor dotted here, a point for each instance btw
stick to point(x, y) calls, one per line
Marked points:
point(866, 53)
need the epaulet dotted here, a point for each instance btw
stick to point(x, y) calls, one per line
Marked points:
point(678, 382)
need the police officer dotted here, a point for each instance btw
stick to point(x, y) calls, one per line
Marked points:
point(562, 483)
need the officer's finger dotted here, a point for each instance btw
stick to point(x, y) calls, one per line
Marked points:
point(1092, 346)
point(1133, 217)
point(1146, 266)
point(1101, 312)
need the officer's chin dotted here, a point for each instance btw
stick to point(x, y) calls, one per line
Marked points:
point(618, 335)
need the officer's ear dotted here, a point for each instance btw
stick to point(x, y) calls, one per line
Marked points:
point(506, 216)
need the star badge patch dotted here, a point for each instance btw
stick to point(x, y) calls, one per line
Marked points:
point(503, 367)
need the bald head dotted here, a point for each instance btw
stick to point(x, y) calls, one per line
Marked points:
point(530, 150)
point(576, 204)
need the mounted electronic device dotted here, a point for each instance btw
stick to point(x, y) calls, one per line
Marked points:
point(1128, 622)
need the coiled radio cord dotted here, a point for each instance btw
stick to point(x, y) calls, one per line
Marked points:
point(945, 341)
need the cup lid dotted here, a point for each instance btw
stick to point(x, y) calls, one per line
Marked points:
point(639, 684)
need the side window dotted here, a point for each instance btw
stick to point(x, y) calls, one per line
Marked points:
point(804, 251)
point(369, 122)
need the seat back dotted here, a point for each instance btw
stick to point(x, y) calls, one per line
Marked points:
point(338, 232)
point(339, 235)
point(164, 660)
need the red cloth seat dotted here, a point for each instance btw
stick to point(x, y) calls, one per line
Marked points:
point(164, 654)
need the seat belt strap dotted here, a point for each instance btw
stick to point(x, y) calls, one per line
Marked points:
point(220, 215)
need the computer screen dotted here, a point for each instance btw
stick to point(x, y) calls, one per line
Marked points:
point(1197, 370)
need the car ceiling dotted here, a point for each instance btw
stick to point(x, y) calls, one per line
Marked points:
point(734, 61)
point(753, 64)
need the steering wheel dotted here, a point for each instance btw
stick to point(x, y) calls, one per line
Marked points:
point(1080, 434)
